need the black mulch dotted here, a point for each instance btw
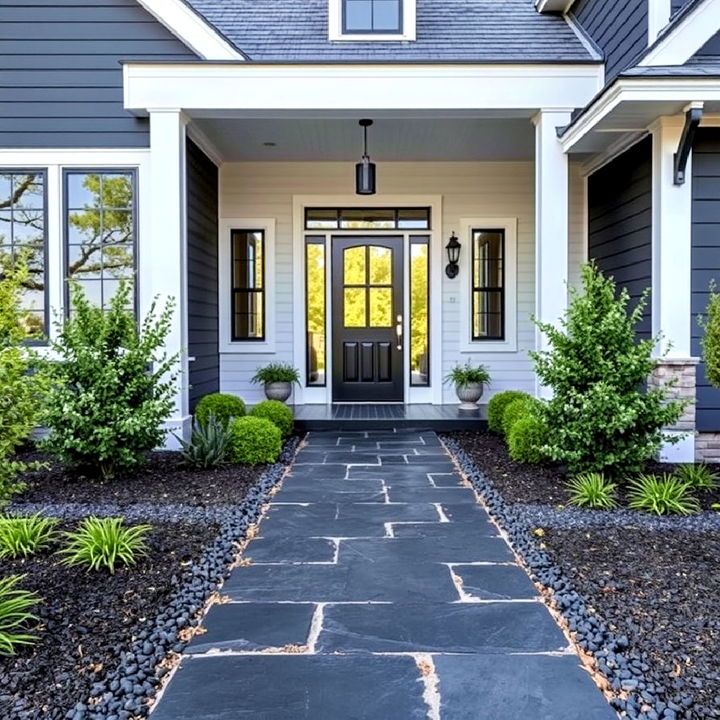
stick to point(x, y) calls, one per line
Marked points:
point(163, 480)
point(89, 618)
point(536, 484)
point(663, 592)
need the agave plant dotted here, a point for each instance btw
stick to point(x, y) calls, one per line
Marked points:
point(209, 444)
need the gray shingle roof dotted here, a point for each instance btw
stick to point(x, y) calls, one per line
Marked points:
point(691, 69)
point(447, 30)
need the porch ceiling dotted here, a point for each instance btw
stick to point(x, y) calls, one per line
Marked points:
point(390, 139)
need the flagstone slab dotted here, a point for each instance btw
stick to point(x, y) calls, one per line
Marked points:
point(404, 493)
point(495, 582)
point(483, 527)
point(291, 550)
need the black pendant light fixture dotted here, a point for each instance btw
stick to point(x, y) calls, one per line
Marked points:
point(365, 171)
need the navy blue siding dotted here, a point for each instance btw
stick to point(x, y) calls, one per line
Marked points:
point(620, 222)
point(711, 49)
point(619, 29)
point(705, 258)
point(202, 232)
point(60, 73)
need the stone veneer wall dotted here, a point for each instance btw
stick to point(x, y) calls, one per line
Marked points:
point(707, 447)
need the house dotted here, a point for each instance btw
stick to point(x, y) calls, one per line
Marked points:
point(208, 148)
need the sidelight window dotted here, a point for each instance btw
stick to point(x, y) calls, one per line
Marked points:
point(419, 310)
point(315, 311)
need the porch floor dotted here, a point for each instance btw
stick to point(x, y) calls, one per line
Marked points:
point(378, 416)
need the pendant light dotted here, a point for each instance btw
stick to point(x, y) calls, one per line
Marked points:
point(365, 174)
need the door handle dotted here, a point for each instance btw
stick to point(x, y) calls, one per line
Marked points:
point(399, 331)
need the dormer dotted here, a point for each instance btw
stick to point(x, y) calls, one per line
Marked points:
point(372, 20)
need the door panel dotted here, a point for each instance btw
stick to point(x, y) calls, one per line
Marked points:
point(367, 301)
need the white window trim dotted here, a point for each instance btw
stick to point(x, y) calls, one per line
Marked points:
point(509, 344)
point(248, 347)
point(335, 21)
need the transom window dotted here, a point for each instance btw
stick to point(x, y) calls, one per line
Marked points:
point(372, 16)
point(367, 219)
point(248, 285)
point(488, 285)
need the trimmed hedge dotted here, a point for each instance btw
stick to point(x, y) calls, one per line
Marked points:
point(517, 410)
point(526, 438)
point(254, 441)
point(497, 405)
point(223, 406)
point(278, 413)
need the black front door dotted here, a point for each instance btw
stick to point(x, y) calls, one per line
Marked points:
point(367, 319)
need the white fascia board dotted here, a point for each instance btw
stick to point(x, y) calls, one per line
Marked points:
point(554, 6)
point(183, 22)
point(685, 38)
point(681, 90)
point(254, 86)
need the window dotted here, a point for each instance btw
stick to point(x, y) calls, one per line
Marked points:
point(100, 231)
point(367, 219)
point(372, 16)
point(420, 310)
point(488, 285)
point(23, 210)
point(315, 310)
point(248, 285)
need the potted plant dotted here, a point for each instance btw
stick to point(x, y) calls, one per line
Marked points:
point(469, 382)
point(278, 379)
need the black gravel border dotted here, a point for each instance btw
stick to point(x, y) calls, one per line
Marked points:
point(127, 691)
point(631, 679)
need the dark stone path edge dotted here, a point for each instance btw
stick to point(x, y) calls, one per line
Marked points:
point(612, 660)
point(122, 694)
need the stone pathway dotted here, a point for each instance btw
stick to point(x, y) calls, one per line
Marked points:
point(379, 589)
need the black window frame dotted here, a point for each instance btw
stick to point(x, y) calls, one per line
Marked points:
point(38, 342)
point(315, 240)
point(488, 289)
point(338, 211)
point(133, 172)
point(262, 290)
point(371, 31)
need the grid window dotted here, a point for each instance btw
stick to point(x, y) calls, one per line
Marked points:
point(488, 285)
point(100, 232)
point(367, 218)
point(372, 16)
point(248, 285)
point(23, 220)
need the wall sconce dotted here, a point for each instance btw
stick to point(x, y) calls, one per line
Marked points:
point(453, 253)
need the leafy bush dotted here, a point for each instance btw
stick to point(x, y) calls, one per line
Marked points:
point(23, 536)
point(22, 387)
point(710, 341)
point(526, 440)
point(517, 410)
point(254, 441)
point(699, 476)
point(104, 543)
point(276, 372)
point(663, 495)
point(464, 375)
point(223, 406)
point(112, 387)
point(15, 615)
point(279, 414)
point(600, 418)
point(496, 407)
point(593, 490)
point(209, 444)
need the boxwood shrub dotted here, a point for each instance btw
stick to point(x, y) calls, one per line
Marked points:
point(254, 440)
point(517, 410)
point(497, 405)
point(223, 406)
point(527, 438)
point(278, 413)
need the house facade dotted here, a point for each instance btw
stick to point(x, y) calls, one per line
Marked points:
point(208, 149)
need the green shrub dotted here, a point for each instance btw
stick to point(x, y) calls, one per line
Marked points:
point(526, 440)
point(223, 406)
point(254, 441)
point(15, 615)
point(710, 341)
point(593, 490)
point(279, 414)
point(112, 386)
point(23, 536)
point(104, 543)
point(600, 417)
point(21, 387)
point(209, 444)
point(663, 495)
point(517, 410)
point(699, 476)
point(496, 408)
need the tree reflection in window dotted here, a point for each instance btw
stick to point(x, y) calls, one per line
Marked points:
point(100, 231)
point(22, 236)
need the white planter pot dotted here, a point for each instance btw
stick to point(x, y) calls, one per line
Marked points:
point(469, 395)
point(278, 391)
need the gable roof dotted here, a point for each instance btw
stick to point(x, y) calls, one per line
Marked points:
point(471, 31)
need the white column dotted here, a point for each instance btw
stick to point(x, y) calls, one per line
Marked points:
point(163, 249)
point(671, 257)
point(551, 225)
